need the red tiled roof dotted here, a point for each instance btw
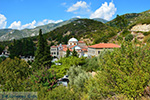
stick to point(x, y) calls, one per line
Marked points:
point(72, 46)
point(81, 42)
point(64, 45)
point(105, 45)
point(84, 49)
point(64, 49)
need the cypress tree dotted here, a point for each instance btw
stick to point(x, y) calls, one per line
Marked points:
point(42, 55)
point(74, 53)
point(67, 52)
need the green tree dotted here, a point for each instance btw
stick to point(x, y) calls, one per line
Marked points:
point(12, 74)
point(123, 71)
point(74, 53)
point(23, 47)
point(129, 37)
point(1, 48)
point(121, 22)
point(42, 55)
point(15, 48)
point(67, 52)
point(66, 63)
point(28, 47)
point(77, 77)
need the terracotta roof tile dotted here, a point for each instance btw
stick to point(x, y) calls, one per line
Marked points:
point(81, 42)
point(72, 46)
point(105, 45)
point(84, 49)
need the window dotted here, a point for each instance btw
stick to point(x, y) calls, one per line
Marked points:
point(98, 52)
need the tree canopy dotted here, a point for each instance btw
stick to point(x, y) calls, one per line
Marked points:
point(13, 72)
point(42, 54)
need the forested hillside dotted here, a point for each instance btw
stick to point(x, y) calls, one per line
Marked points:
point(82, 28)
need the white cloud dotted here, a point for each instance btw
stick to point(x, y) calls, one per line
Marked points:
point(15, 25)
point(77, 16)
point(29, 25)
point(106, 11)
point(79, 5)
point(47, 21)
point(33, 24)
point(3, 21)
point(19, 26)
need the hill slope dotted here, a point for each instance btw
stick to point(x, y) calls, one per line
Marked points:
point(134, 18)
point(10, 34)
point(82, 29)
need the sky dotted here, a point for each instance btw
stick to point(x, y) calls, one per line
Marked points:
point(20, 14)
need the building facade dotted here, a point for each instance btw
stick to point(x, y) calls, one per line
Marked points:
point(60, 50)
point(81, 48)
point(94, 50)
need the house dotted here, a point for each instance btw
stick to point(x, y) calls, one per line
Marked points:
point(94, 50)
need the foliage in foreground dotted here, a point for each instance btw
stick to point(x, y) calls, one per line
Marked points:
point(61, 70)
point(43, 78)
point(62, 93)
point(123, 71)
point(77, 77)
point(12, 74)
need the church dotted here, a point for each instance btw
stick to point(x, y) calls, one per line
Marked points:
point(60, 50)
point(81, 48)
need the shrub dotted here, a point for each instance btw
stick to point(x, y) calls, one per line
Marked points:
point(91, 64)
point(12, 74)
point(119, 38)
point(61, 70)
point(129, 37)
point(77, 77)
point(125, 33)
point(43, 78)
point(62, 93)
point(123, 71)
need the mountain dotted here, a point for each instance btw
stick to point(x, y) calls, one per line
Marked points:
point(134, 18)
point(100, 20)
point(88, 30)
point(10, 34)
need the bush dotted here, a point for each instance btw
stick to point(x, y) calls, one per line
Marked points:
point(77, 77)
point(62, 93)
point(61, 70)
point(119, 38)
point(91, 64)
point(12, 74)
point(129, 37)
point(125, 33)
point(123, 71)
point(42, 78)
